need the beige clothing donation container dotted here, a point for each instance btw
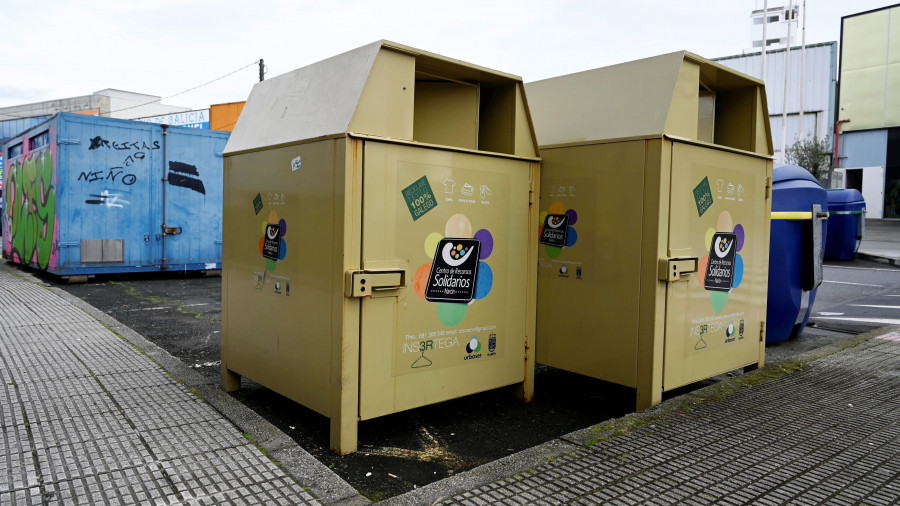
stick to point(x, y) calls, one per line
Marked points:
point(380, 244)
point(655, 203)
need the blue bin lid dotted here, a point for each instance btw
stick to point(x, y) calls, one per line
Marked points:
point(782, 173)
point(845, 196)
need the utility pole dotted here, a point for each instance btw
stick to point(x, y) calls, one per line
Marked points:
point(765, 22)
point(262, 70)
point(803, 70)
point(789, 15)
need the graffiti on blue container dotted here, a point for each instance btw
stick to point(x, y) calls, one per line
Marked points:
point(186, 176)
point(140, 149)
point(99, 142)
point(107, 175)
point(106, 199)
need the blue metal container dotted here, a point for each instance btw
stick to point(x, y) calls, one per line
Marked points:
point(795, 252)
point(846, 223)
point(88, 195)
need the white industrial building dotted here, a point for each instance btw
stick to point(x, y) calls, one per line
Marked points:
point(109, 103)
point(818, 78)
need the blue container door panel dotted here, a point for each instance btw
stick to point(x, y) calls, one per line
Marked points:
point(193, 200)
point(108, 190)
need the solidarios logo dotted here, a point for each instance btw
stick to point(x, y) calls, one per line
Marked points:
point(556, 221)
point(723, 246)
point(456, 254)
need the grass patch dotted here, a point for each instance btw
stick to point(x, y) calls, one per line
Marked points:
point(375, 495)
point(195, 314)
point(249, 437)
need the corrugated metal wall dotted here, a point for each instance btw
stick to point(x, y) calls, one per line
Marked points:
point(224, 116)
point(12, 127)
point(818, 93)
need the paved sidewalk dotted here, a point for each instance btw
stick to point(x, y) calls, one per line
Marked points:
point(881, 241)
point(86, 418)
point(824, 432)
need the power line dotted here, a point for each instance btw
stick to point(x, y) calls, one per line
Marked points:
point(15, 116)
point(189, 90)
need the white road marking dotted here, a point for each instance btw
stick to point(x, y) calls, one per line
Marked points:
point(879, 321)
point(825, 313)
point(849, 283)
point(875, 306)
point(861, 268)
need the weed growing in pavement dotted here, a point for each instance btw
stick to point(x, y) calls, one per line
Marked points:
point(195, 314)
point(249, 437)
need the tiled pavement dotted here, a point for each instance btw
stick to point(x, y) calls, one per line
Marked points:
point(86, 418)
point(827, 434)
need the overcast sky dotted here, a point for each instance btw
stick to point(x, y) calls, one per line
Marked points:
point(58, 49)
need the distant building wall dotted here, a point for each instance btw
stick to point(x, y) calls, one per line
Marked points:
point(189, 119)
point(866, 148)
point(818, 93)
point(109, 103)
point(869, 97)
point(130, 105)
point(224, 116)
point(870, 70)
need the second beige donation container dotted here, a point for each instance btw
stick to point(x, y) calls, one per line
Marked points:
point(380, 235)
point(655, 202)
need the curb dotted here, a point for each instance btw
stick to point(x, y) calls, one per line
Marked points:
point(878, 258)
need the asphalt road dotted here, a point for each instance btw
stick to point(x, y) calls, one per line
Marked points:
point(405, 450)
point(858, 296)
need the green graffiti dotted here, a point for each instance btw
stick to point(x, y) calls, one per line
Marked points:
point(31, 209)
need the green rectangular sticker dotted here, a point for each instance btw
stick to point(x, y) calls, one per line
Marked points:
point(703, 196)
point(419, 198)
point(257, 203)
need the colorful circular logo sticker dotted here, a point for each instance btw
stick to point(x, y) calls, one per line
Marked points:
point(271, 245)
point(722, 270)
point(457, 253)
point(556, 231)
point(474, 345)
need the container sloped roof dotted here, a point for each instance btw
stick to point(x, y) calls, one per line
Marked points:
point(620, 101)
point(314, 101)
point(350, 92)
point(645, 98)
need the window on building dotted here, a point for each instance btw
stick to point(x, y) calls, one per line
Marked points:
point(40, 140)
point(14, 151)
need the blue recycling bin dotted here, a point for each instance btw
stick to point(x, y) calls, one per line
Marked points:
point(796, 250)
point(846, 223)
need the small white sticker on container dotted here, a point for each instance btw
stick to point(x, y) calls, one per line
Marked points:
point(296, 163)
point(211, 266)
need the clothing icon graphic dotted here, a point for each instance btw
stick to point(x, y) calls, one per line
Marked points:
point(421, 362)
point(449, 184)
point(467, 190)
point(485, 192)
